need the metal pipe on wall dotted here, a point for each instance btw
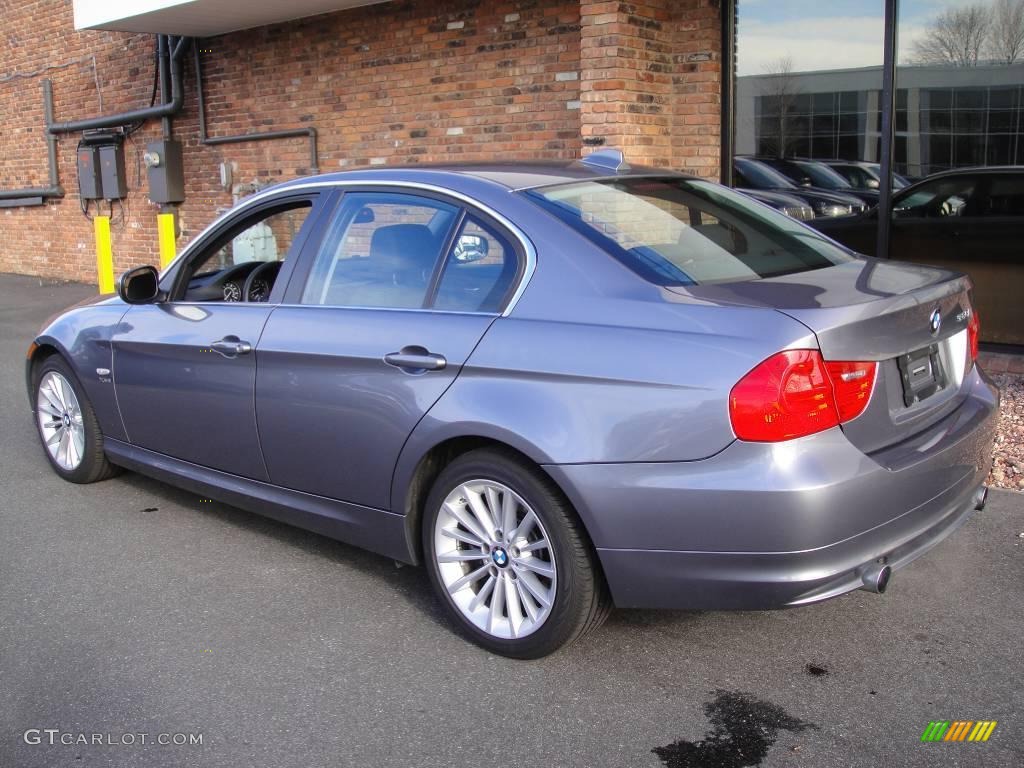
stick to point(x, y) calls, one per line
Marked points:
point(54, 189)
point(163, 57)
point(244, 137)
point(166, 109)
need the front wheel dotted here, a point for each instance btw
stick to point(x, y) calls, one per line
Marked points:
point(67, 425)
point(509, 558)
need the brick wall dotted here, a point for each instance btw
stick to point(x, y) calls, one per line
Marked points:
point(651, 81)
point(403, 82)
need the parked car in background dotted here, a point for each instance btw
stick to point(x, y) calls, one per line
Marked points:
point(790, 205)
point(864, 175)
point(750, 174)
point(558, 386)
point(970, 220)
point(811, 173)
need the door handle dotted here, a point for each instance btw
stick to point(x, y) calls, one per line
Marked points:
point(415, 359)
point(231, 346)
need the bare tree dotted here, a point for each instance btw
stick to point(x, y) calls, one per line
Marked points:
point(956, 37)
point(779, 95)
point(1006, 36)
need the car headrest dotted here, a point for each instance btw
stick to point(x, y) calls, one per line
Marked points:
point(404, 247)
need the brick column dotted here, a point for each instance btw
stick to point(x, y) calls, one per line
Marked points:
point(650, 81)
point(697, 87)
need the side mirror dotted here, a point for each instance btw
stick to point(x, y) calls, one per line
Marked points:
point(471, 248)
point(139, 286)
point(805, 181)
point(871, 183)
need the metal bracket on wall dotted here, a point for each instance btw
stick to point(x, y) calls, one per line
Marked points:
point(310, 132)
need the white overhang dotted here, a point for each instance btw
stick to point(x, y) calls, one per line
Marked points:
point(198, 18)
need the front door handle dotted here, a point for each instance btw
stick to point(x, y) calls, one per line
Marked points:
point(231, 346)
point(415, 359)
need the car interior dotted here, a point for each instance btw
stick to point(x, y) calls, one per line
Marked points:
point(243, 265)
point(384, 253)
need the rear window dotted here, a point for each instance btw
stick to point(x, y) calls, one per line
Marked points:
point(687, 232)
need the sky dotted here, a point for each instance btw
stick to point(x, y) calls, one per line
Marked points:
point(825, 34)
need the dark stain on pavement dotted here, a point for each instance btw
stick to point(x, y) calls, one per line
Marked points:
point(817, 670)
point(743, 730)
point(151, 509)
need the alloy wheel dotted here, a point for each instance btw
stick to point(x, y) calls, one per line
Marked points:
point(495, 559)
point(60, 421)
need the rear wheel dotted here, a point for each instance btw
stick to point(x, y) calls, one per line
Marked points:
point(67, 425)
point(508, 556)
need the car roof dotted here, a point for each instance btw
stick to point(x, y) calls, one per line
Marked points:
point(512, 175)
point(975, 170)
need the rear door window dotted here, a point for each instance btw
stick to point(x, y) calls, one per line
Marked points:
point(1005, 197)
point(381, 251)
point(479, 270)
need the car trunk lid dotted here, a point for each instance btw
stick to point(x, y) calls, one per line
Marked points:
point(911, 320)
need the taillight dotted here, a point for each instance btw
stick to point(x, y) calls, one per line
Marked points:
point(852, 384)
point(973, 332)
point(796, 393)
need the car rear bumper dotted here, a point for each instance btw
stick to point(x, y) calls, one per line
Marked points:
point(767, 526)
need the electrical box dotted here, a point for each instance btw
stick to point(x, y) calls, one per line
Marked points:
point(165, 171)
point(89, 173)
point(112, 176)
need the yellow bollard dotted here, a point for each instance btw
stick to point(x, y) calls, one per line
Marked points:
point(165, 236)
point(104, 254)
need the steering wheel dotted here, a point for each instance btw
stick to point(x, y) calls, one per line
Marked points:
point(260, 282)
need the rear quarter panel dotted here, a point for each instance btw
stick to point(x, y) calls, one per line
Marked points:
point(588, 392)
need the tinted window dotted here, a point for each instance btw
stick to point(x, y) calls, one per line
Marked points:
point(761, 176)
point(1005, 197)
point(938, 198)
point(681, 232)
point(822, 176)
point(479, 270)
point(381, 251)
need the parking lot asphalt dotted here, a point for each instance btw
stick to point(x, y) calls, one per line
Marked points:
point(130, 607)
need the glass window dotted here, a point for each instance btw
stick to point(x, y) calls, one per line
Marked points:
point(1000, 149)
point(939, 198)
point(220, 272)
point(1005, 197)
point(381, 251)
point(479, 270)
point(685, 232)
point(936, 98)
point(823, 102)
point(822, 176)
point(760, 176)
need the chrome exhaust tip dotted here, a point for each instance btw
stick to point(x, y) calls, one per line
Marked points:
point(981, 498)
point(875, 577)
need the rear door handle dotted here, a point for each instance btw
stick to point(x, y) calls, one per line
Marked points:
point(415, 359)
point(231, 346)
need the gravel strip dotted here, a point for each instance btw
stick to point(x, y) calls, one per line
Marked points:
point(1008, 469)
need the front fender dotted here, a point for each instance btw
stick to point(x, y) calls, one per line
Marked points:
point(82, 336)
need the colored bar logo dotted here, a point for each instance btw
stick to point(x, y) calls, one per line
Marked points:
point(958, 730)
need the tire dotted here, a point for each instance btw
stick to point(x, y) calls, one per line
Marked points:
point(83, 460)
point(554, 586)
